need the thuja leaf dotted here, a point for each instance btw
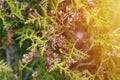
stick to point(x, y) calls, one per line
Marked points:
point(76, 53)
point(42, 21)
point(15, 8)
point(56, 66)
point(4, 67)
point(73, 75)
point(23, 35)
point(2, 17)
point(44, 6)
point(29, 34)
point(55, 3)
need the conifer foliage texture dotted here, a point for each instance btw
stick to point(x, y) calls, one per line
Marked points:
point(59, 40)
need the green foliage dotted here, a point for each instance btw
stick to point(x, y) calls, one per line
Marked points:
point(16, 8)
point(29, 34)
point(76, 53)
point(41, 22)
point(4, 67)
point(44, 5)
point(45, 40)
point(55, 3)
point(2, 17)
point(5, 71)
point(74, 75)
